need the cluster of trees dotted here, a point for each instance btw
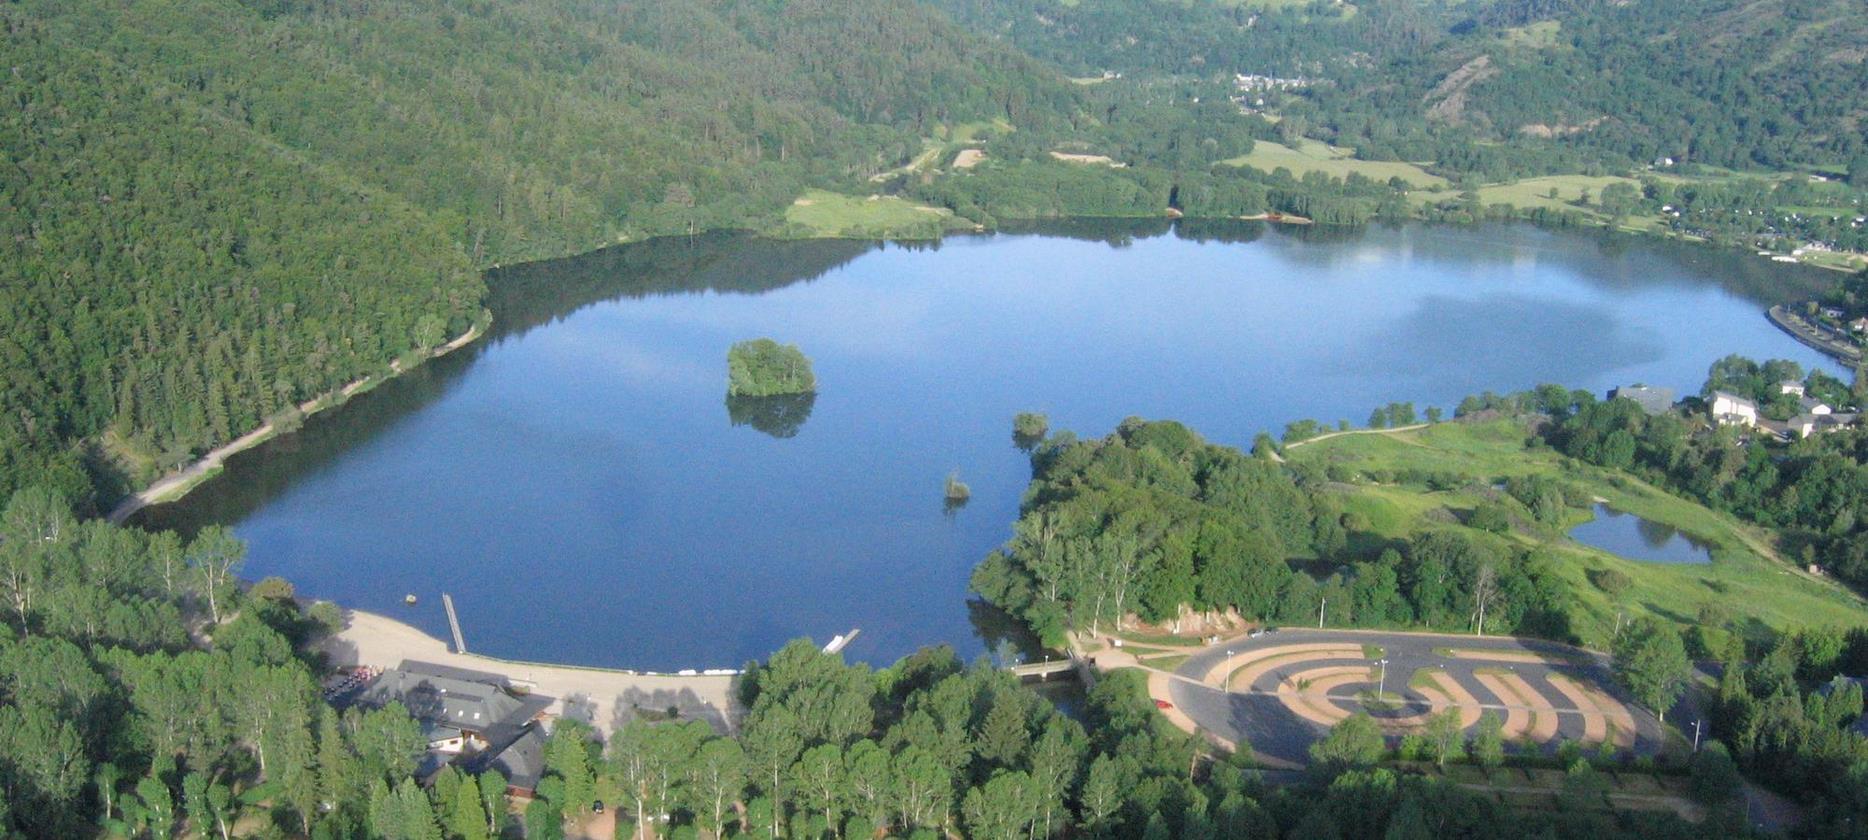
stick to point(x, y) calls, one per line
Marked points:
point(762, 367)
point(1150, 520)
point(1153, 521)
point(1786, 717)
point(142, 693)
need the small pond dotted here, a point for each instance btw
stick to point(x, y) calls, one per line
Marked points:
point(1630, 536)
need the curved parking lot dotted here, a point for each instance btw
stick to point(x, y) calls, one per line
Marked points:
point(1281, 691)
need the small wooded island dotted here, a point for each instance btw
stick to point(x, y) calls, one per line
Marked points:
point(762, 367)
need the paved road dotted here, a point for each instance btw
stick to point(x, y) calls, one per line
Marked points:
point(1257, 715)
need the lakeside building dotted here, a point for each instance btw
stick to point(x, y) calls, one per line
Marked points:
point(473, 720)
point(1806, 425)
point(1729, 409)
point(1790, 386)
point(1653, 401)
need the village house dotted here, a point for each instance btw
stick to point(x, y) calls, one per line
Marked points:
point(1729, 409)
point(1653, 401)
point(472, 720)
point(1790, 386)
point(1806, 425)
point(1859, 325)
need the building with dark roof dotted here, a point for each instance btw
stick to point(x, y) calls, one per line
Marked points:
point(1652, 400)
point(472, 719)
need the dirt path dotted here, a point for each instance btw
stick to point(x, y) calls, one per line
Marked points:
point(1279, 457)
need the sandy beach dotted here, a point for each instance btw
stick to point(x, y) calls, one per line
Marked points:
point(604, 698)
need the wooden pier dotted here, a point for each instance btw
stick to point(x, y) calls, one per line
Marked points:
point(454, 623)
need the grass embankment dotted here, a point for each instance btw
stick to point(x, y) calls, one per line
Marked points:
point(1316, 156)
point(820, 214)
point(1759, 592)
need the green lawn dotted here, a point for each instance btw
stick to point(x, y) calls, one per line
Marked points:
point(1315, 156)
point(823, 215)
point(1760, 592)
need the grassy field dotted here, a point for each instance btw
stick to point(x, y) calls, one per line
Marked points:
point(968, 132)
point(1537, 36)
point(1315, 156)
point(826, 215)
point(1535, 192)
point(1745, 580)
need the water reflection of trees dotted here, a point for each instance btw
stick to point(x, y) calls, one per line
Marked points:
point(525, 296)
point(522, 297)
point(780, 415)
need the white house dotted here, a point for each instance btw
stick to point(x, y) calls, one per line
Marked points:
point(1732, 410)
point(1807, 425)
point(1790, 386)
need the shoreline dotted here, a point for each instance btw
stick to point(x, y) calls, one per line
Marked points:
point(179, 483)
point(1796, 327)
point(605, 698)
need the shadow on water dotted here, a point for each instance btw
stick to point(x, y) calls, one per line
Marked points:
point(779, 415)
point(522, 298)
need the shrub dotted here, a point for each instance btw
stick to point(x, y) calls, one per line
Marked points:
point(1612, 581)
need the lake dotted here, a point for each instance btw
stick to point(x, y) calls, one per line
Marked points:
point(1632, 537)
point(579, 484)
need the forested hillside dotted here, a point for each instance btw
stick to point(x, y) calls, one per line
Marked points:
point(1733, 83)
point(171, 277)
point(217, 210)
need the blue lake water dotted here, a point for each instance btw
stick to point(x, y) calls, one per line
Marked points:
point(578, 483)
point(1632, 537)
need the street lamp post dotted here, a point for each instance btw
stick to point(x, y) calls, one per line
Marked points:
point(1381, 687)
point(1320, 605)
